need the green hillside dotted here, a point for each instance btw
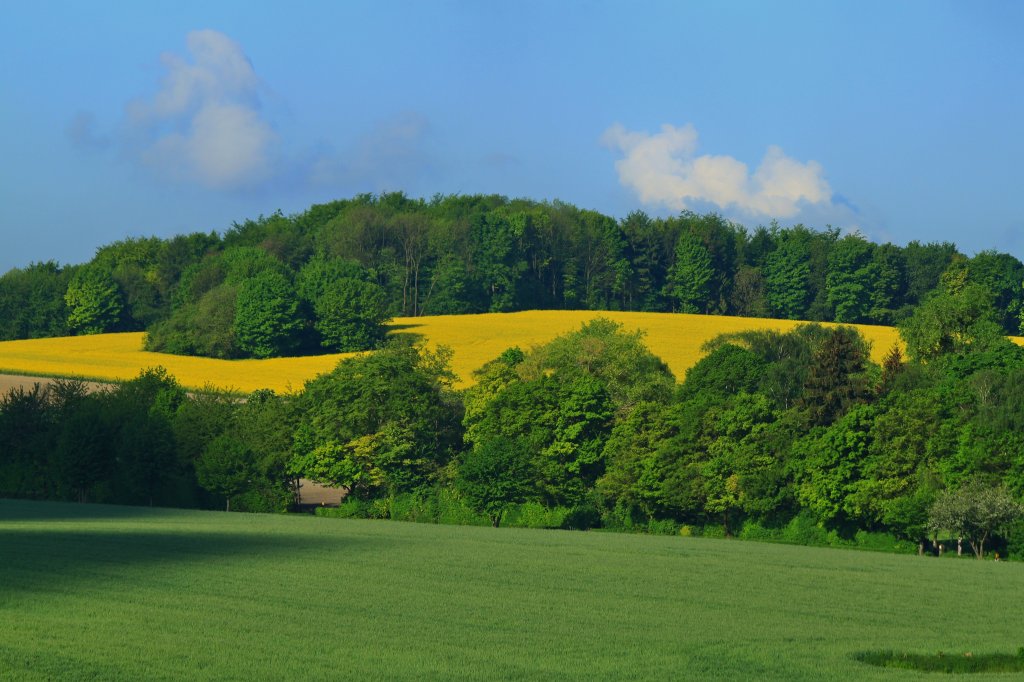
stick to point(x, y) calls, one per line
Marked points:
point(99, 592)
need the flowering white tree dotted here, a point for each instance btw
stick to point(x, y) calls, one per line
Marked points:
point(974, 511)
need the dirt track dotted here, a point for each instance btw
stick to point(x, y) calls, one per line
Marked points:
point(9, 381)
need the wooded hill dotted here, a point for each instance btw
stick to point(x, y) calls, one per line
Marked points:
point(326, 279)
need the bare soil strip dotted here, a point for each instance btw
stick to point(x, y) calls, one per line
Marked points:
point(9, 381)
point(315, 494)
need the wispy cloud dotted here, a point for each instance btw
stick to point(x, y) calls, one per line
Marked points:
point(663, 169)
point(393, 155)
point(205, 123)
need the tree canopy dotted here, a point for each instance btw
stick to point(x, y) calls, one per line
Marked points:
point(352, 264)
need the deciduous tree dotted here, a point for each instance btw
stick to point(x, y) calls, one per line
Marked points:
point(93, 301)
point(974, 511)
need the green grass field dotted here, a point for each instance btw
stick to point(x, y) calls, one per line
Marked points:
point(97, 592)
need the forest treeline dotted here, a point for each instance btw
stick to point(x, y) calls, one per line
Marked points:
point(328, 278)
point(794, 436)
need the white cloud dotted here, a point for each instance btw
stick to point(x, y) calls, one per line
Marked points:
point(205, 125)
point(663, 169)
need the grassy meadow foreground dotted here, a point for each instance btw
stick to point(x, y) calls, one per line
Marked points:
point(475, 339)
point(99, 592)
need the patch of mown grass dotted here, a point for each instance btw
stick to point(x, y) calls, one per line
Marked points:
point(946, 662)
point(96, 592)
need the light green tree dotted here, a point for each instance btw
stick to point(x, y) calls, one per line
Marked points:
point(93, 301)
point(951, 321)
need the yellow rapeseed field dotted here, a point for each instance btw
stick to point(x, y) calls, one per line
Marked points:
point(675, 338)
point(120, 356)
point(475, 339)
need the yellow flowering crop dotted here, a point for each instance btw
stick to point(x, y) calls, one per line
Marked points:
point(675, 338)
point(120, 356)
point(475, 339)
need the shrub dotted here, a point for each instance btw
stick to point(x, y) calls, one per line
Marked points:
point(453, 510)
point(623, 517)
point(349, 509)
point(712, 531)
point(583, 517)
point(415, 507)
point(1014, 536)
point(803, 529)
point(535, 515)
point(753, 530)
point(663, 527)
point(882, 542)
point(261, 500)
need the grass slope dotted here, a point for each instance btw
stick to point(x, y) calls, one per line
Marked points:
point(475, 339)
point(95, 592)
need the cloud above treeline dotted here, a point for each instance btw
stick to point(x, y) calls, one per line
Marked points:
point(205, 123)
point(663, 169)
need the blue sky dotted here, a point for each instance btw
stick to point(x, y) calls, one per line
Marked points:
point(903, 120)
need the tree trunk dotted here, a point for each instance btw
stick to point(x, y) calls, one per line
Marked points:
point(227, 507)
point(416, 288)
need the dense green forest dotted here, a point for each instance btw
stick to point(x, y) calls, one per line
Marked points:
point(795, 436)
point(326, 279)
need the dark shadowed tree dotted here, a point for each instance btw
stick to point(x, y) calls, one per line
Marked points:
point(32, 302)
point(267, 320)
point(350, 315)
point(226, 467)
point(496, 473)
point(835, 379)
